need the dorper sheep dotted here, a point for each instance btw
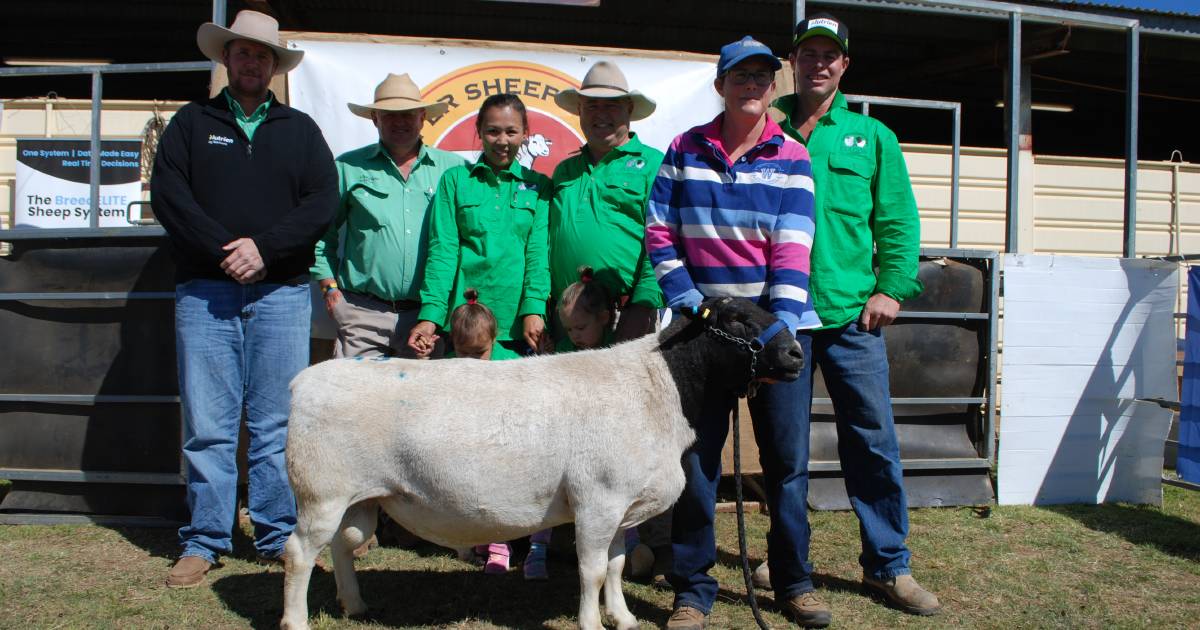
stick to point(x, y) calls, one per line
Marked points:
point(592, 437)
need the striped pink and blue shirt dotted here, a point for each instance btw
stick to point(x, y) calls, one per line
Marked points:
point(745, 229)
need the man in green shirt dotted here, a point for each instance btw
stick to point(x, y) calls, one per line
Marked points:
point(866, 217)
point(598, 219)
point(372, 283)
point(598, 212)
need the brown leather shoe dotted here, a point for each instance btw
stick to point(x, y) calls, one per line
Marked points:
point(188, 572)
point(807, 610)
point(686, 618)
point(904, 593)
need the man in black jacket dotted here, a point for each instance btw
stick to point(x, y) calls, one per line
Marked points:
point(244, 186)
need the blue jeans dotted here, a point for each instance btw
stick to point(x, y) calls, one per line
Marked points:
point(782, 435)
point(854, 365)
point(238, 346)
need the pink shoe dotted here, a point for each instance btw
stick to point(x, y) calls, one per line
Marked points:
point(497, 559)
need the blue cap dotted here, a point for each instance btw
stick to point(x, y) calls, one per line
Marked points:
point(743, 49)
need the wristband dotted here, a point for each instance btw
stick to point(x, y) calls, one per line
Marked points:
point(332, 286)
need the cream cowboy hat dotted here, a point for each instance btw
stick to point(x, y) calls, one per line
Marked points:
point(398, 93)
point(605, 80)
point(249, 25)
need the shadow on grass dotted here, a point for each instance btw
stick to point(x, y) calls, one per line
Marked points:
point(401, 598)
point(164, 542)
point(733, 559)
point(1140, 525)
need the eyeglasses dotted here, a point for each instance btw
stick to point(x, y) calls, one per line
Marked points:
point(761, 78)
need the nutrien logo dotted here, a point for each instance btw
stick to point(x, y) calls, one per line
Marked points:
point(553, 133)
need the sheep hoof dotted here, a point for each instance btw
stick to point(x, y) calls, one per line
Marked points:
point(624, 623)
point(288, 624)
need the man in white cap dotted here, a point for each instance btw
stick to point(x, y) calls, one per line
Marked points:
point(372, 285)
point(244, 186)
point(598, 219)
point(598, 214)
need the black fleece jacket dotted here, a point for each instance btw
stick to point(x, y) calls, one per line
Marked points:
point(212, 185)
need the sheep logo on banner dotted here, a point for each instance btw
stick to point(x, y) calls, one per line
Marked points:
point(553, 133)
point(534, 147)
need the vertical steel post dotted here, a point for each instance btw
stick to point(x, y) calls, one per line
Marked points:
point(797, 11)
point(218, 12)
point(94, 165)
point(1013, 109)
point(1131, 140)
point(954, 160)
point(866, 108)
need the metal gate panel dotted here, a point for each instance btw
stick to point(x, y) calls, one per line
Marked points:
point(89, 413)
point(941, 354)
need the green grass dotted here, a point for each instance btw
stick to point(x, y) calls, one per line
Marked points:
point(1113, 566)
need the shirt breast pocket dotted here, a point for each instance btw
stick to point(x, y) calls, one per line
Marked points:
point(621, 197)
point(848, 189)
point(368, 207)
point(524, 206)
point(475, 218)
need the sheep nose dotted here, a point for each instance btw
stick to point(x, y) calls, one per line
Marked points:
point(796, 354)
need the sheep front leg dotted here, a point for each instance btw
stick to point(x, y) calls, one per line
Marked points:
point(357, 526)
point(614, 598)
point(315, 526)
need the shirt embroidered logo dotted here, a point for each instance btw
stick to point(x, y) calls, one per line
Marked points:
point(855, 141)
point(766, 172)
point(222, 141)
point(637, 163)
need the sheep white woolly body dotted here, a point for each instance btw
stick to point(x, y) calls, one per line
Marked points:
point(592, 437)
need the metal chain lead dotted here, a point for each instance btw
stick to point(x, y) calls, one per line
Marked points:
point(754, 346)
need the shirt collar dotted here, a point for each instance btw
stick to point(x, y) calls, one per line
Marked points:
point(514, 170)
point(787, 105)
point(422, 154)
point(771, 133)
point(260, 112)
point(632, 146)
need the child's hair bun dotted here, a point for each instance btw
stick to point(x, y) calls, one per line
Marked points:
point(472, 296)
point(586, 274)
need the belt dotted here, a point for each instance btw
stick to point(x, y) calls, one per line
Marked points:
point(395, 306)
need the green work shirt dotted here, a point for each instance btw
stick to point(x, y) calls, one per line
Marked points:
point(487, 231)
point(384, 217)
point(598, 219)
point(866, 216)
point(251, 122)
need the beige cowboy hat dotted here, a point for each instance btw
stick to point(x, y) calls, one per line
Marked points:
point(249, 25)
point(398, 93)
point(605, 80)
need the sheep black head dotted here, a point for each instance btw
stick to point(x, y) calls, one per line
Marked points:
point(734, 349)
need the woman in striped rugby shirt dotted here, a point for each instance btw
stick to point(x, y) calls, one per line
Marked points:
point(731, 214)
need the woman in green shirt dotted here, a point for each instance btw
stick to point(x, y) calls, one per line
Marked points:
point(488, 230)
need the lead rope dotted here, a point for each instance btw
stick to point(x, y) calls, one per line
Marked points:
point(741, 516)
point(754, 346)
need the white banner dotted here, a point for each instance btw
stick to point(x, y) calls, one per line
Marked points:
point(334, 73)
point(52, 182)
point(1087, 343)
